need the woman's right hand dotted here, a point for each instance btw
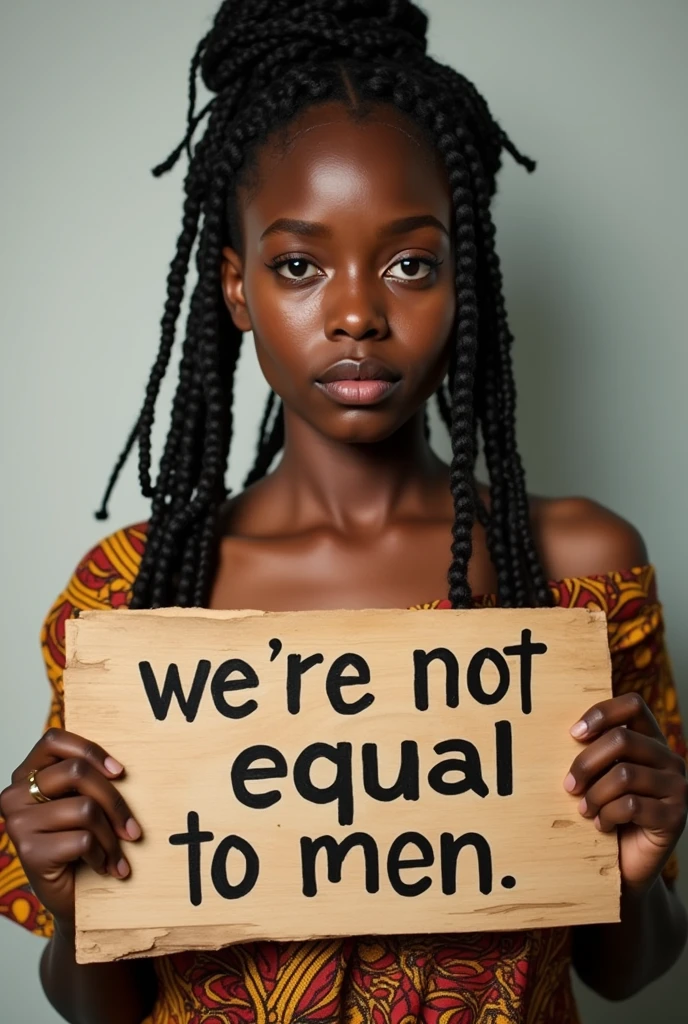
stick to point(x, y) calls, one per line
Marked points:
point(85, 818)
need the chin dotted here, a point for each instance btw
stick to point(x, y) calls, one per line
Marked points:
point(364, 427)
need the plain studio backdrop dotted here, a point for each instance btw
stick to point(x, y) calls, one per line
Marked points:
point(93, 94)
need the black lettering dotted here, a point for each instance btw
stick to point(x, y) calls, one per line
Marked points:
point(395, 864)
point(505, 758)
point(406, 785)
point(450, 848)
point(340, 790)
point(160, 702)
point(242, 772)
point(421, 661)
point(193, 838)
point(336, 853)
point(223, 886)
point(474, 676)
point(296, 669)
point(222, 684)
point(336, 680)
point(525, 651)
point(469, 766)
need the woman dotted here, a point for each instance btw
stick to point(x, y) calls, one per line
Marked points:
point(340, 198)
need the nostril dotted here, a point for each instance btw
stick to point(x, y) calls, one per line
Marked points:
point(365, 323)
point(372, 332)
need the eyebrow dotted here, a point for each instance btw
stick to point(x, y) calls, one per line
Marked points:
point(309, 228)
point(404, 224)
point(312, 229)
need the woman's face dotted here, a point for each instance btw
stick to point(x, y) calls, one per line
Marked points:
point(346, 275)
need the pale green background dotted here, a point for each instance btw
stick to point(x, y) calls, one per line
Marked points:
point(92, 94)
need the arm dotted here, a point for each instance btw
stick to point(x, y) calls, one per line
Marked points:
point(116, 993)
point(630, 781)
point(627, 775)
point(78, 815)
point(618, 960)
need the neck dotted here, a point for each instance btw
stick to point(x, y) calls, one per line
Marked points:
point(352, 485)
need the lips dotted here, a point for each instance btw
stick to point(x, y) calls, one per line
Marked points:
point(358, 382)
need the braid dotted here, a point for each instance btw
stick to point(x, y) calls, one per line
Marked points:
point(499, 390)
point(102, 512)
point(185, 524)
point(462, 436)
point(175, 295)
point(426, 423)
point(490, 412)
point(265, 61)
point(444, 406)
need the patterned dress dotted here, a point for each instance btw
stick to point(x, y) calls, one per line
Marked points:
point(482, 978)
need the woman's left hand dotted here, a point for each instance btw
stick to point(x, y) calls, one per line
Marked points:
point(627, 776)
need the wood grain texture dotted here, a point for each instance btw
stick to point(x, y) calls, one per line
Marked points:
point(565, 871)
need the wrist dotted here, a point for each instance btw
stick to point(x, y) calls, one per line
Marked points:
point(65, 930)
point(636, 896)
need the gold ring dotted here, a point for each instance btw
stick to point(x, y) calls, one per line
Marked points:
point(35, 792)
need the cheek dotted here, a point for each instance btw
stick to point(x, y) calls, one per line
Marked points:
point(425, 328)
point(286, 327)
point(444, 320)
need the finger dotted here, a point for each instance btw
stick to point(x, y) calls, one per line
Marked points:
point(619, 744)
point(78, 813)
point(629, 709)
point(68, 848)
point(628, 778)
point(57, 744)
point(76, 775)
point(639, 810)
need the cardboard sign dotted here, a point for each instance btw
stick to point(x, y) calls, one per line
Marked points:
point(313, 774)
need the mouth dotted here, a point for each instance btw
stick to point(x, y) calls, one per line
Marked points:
point(358, 382)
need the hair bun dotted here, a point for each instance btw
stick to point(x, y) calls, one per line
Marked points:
point(253, 40)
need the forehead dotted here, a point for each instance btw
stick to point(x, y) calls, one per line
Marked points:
point(329, 163)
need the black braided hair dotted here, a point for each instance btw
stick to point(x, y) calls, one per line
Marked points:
point(266, 61)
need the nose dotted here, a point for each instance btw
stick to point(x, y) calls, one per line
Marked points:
point(355, 310)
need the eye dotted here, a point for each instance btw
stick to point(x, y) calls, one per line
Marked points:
point(295, 269)
point(412, 268)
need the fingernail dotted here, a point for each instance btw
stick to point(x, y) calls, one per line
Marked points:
point(133, 829)
point(583, 806)
point(123, 868)
point(598, 823)
point(579, 729)
point(569, 783)
point(114, 767)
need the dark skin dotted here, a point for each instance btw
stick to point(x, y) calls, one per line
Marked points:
point(358, 514)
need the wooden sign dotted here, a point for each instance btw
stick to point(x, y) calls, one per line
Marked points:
point(313, 774)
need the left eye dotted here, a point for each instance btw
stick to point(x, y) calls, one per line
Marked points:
point(411, 269)
point(297, 270)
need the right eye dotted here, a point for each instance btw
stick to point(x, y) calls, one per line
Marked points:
point(296, 269)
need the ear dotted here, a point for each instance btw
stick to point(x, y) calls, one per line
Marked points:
point(232, 275)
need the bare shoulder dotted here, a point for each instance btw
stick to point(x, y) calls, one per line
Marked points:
point(580, 537)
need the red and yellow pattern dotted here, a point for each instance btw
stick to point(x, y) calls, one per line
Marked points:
point(481, 978)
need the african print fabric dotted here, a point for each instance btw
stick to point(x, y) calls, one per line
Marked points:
point(482, 978)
